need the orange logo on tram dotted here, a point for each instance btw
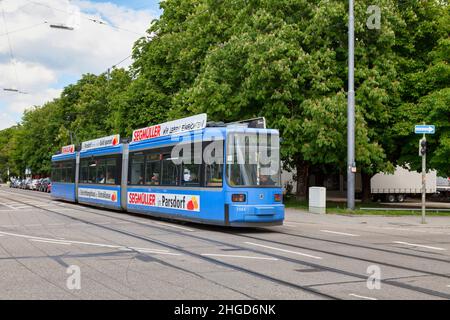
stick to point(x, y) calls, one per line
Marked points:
point(192, 204)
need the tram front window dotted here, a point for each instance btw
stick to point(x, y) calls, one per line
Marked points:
point(253, 160)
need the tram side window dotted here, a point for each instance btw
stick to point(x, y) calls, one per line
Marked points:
point(191, 174)
point(152, 168)
point(101, 171)
point(213, 175)
point(70, 173)
point(111, 171)
point(92, 171)
point(84, 171)
point(170, 171)
point(56, 172)
point(213, 171)
point(136, 175)
point(63, 176)
point(63, 172)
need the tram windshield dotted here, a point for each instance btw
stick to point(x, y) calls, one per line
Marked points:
point(253, 160)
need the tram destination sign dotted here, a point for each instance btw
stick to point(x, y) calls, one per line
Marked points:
point(101, 142)
point(169, 128)
point(68, 149)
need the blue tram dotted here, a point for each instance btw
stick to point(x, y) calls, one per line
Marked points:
point(187, 169)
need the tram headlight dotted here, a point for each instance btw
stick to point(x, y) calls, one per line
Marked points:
point(238, 197)
point(277, 197)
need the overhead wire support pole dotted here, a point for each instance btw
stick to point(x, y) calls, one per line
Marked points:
point(351, 111)
point(424, 180)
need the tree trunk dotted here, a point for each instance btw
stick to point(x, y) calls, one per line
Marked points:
point(365, 180)
point(320, 179)
point(302, 179)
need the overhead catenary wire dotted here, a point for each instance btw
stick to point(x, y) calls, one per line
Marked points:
point(108, 71)
point(86, 17)
point(11, 54)
point(23, 29)
point(121, 61)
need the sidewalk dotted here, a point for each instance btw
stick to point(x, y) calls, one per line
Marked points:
point(436, 223)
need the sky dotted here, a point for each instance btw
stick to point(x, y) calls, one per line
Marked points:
point(39, 61)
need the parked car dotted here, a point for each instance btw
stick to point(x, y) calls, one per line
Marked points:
point(34, 184)
point(12, 183)
point(23, 184)
point(44, 186)
point(38, 184)
point(28, 182)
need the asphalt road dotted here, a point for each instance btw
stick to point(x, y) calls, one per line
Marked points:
point(57, 250)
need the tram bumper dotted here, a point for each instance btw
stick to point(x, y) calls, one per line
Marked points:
point(254, 214)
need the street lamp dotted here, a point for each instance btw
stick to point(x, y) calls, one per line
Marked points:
point(14, 90)
point(60, 26)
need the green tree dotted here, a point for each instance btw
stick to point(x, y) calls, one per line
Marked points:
point(292, 70)
point(424, 49)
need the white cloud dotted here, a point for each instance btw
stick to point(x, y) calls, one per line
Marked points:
point(45, 56)
point(18, 74)
point(15, 103)
point(6, 120)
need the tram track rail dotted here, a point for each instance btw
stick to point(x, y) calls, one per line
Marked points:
point(192, 254)
point(295, 261)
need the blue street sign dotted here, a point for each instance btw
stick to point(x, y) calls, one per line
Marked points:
point(424, 129)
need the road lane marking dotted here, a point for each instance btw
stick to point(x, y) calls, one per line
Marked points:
point(341, 233)
point(33, 225)
point(403, 229)
point(234, 256)
point(137, 248)
point(419, 245)
point(56, 241)
point(159, 252)
point(283, 250)
point(362, 297)
point(289, 225)
point(53, 242)
point(6, 205)
point(411, 230)
point(173, 226)
point(300, 223)
point(10, 207)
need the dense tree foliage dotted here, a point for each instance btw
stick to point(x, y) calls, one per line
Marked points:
point(285, 60)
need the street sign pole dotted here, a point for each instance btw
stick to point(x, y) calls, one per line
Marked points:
point(424, 129)
point(424, 182)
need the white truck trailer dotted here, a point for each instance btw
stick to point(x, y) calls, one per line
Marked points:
point(395, 187)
